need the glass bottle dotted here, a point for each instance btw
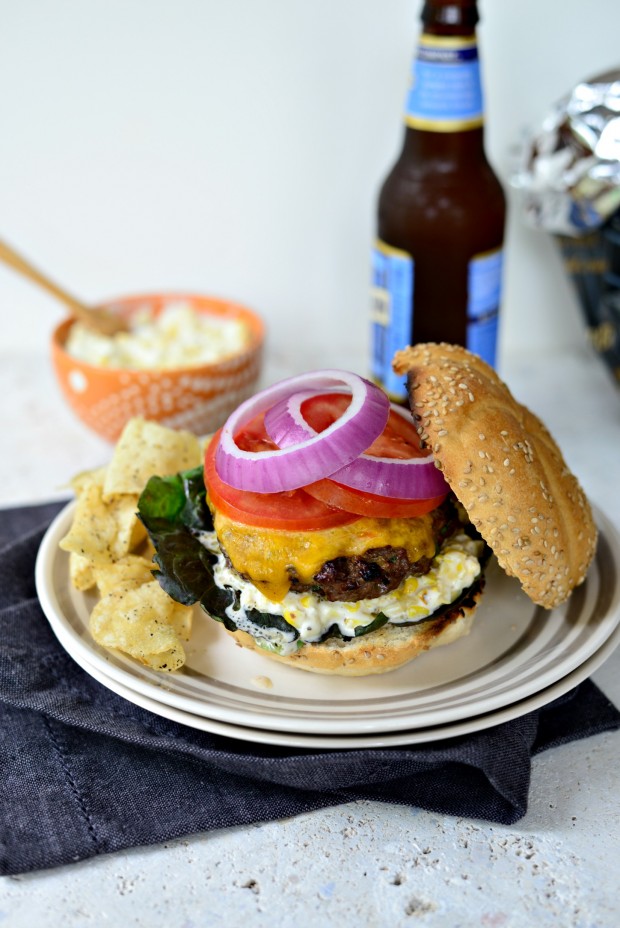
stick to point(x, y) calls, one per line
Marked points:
point(437, 261)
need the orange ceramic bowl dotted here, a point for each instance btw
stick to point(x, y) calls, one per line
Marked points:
point(198, 397)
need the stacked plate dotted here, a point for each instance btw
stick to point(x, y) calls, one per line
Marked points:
point(517, 658)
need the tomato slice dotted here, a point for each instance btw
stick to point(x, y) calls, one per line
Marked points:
point(367, 504)
point(398, 440)
point(326, 503)
point(294, 510)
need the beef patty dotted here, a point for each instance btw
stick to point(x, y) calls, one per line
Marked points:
point(378, 570)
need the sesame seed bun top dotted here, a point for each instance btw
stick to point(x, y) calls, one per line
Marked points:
point(504, 467)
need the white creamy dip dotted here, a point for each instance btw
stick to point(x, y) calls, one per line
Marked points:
point(178, 337)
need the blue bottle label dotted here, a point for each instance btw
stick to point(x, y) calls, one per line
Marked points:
point(391, 302)
point(393, 308)
point(446, 90)
point(484, 291)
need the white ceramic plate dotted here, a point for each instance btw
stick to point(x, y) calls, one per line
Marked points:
point(345, 742)
point(514, 651)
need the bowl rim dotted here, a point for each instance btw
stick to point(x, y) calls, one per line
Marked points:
point(256, 327)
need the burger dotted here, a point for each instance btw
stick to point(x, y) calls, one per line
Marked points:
point(338, 533)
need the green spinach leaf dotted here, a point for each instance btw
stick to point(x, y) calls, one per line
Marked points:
point(173, 511)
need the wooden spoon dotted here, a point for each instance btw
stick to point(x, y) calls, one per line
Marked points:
point(99, 319)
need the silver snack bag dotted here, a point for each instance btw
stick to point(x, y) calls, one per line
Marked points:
point(569, 175)
point(569, 170)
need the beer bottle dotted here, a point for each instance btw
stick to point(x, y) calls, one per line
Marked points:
point(437, 261)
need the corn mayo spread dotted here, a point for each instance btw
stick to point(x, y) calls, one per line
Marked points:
point(454, 568)
point(178, 337)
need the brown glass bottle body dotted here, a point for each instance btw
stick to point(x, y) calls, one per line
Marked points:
point(443, 205)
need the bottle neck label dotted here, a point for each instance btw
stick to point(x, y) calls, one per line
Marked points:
point(446, 90)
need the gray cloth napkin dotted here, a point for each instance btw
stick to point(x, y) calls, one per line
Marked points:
point(84, 772)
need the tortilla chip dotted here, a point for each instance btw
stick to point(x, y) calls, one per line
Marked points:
point(138, 622)
point(94, 529)
point(127, 573)
point(81, 572)
point(181, 620)
point(146, 449)
point(83, 479)
point(103, 532)
point(134, 615)
point(130, 531)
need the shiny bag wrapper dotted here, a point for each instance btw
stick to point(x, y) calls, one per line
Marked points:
point(568, 172)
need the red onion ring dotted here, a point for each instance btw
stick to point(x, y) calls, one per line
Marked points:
point(401, 478)
point(317, 455)
point(284, 422)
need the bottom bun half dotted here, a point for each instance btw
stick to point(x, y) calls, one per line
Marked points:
point(388, 648)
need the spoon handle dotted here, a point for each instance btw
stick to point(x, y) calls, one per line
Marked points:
point(95, 318)
point(24, 267)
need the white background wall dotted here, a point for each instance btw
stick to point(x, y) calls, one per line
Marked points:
point(236, 148)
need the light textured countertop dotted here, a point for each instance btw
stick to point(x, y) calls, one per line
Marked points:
point(362, 864)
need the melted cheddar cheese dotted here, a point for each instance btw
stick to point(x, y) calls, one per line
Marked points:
point(267, 556)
